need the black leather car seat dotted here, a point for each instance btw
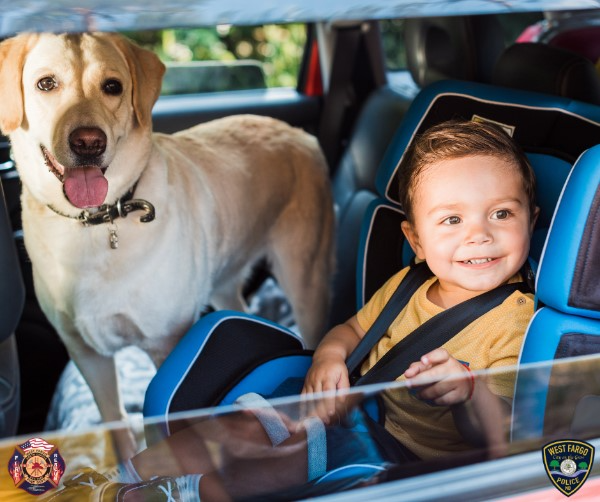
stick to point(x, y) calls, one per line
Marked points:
point(12, 297)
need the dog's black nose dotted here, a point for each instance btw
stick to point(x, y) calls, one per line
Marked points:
point(87, 141)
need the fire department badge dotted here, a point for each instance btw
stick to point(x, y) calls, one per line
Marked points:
point(568, 464)
point(36, 466)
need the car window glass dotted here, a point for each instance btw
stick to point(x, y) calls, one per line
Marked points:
point(226, 57)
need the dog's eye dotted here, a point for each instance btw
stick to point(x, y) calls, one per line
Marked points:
point(112, 87)
point(47, 84)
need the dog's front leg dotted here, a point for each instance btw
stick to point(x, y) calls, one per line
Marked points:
point(100, 373)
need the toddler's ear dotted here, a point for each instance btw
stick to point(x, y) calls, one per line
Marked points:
point(413, 239)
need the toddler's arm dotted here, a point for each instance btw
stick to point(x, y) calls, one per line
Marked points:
point(328, 370)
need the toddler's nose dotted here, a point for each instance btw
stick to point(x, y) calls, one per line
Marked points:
point(478, 233)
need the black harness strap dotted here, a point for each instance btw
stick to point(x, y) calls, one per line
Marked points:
point(427, 337)
point(434, 333)
point(414, 278)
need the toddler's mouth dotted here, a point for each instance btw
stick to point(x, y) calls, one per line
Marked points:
point(477, 261)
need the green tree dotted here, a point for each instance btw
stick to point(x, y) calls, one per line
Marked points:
point(555, 464)
point(583, 465)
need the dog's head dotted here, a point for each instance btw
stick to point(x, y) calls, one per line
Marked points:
point(78, 110)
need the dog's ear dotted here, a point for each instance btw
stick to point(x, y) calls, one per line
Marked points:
point(146, 74)
point(12, 59)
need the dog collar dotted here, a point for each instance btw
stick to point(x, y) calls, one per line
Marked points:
point(107, 213)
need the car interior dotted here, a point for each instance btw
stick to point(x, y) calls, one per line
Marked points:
point(544, 88)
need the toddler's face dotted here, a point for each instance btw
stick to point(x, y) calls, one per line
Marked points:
point(471, 223)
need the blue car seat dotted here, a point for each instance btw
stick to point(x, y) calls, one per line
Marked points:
point(553, 131)
point(553, 399)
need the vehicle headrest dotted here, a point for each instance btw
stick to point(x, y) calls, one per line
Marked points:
point(569, 273)
point(462, 48)
point(552, 70)
point(582, 40)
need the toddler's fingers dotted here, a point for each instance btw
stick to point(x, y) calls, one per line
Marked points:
point(442, 395)
point(328, 401)
point(436, 356)
point(449, 389)
point(427, 375)
point(414, 369)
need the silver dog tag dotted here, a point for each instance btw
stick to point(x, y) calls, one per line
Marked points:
point(113, 238)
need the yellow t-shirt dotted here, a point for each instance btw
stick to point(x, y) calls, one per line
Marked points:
point(493, 340)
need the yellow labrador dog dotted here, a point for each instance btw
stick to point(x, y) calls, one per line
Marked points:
point(132, 233)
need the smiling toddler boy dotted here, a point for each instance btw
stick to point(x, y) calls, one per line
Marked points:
point(468, 193)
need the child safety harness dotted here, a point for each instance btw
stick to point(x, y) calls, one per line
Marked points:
point(428, 336)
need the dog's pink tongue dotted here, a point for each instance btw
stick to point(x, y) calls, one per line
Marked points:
point(85, 186)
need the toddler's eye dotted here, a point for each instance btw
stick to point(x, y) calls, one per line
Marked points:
point(452, 220)
point(501, 214)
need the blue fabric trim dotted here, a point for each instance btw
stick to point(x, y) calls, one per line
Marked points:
point(531, 389)
point(269, 376)
point(560, 254)
point(175, 368)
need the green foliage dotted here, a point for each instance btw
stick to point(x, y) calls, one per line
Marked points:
point(392, 39)
point(583, 465)
point(555, 464)
point(278, 48)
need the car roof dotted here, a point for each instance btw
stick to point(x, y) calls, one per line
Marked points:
point(117, 15)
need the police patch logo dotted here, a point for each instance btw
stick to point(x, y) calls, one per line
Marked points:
point(36, 466)
point(568, 464)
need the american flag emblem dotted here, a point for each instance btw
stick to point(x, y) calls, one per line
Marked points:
point(36, 444)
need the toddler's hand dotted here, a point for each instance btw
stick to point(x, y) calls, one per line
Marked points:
point(327, 373)
point(440, 378)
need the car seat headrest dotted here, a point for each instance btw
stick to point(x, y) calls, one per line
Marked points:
point(569, 273)
point(463, 48)
point(545, 126)
point(541, 68)
point(553, 132)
